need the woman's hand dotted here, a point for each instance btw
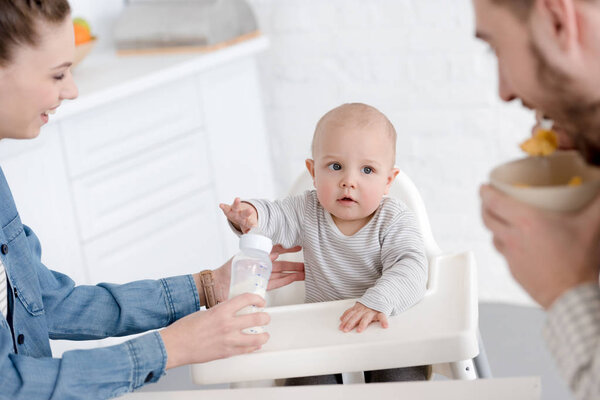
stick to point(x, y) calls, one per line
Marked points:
point(284, 273)
point(216, 333)
point(547, 253)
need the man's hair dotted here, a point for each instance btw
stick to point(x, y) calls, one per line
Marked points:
point(521, 8)
point(19, 22)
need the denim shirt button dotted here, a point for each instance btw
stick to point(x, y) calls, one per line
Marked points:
point(4, 248)
point(21, 339)
point(149, 377)
point(15, 292)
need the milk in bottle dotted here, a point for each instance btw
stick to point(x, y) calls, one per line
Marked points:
point(250, 271)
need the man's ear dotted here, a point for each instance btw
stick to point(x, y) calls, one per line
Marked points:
point(559, 22)
point(390, 179)
point(310, 166)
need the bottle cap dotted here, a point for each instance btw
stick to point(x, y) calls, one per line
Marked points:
point(256, 241)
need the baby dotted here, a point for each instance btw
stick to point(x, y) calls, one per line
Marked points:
point(357, 243)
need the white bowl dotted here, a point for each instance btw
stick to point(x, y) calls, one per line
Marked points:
point(82, 50)
point(546, 181)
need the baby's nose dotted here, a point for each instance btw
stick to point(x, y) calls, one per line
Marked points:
point(348, 183)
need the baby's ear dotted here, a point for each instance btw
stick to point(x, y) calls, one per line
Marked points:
point(310, 166)
point(390, 179)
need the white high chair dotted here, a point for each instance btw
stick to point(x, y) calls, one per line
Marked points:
point(441, 330)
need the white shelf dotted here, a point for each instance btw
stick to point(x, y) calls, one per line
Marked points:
point(105, 77)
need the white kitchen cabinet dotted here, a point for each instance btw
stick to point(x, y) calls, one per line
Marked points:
point(124, 183)
point(141, 184)
point(36, 173)
point(129, 126)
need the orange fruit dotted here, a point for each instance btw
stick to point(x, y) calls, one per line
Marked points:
point(82, 34)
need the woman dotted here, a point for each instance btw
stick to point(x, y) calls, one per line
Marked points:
point(37, 304)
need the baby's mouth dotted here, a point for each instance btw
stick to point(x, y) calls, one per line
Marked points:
point(346, 200)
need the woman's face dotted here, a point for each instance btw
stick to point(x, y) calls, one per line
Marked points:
point(36, 81)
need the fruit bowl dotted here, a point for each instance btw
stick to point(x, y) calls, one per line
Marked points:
point(84, 40)
point(82, 50)
point(542, 181)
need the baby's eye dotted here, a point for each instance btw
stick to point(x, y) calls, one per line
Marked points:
point(59, 77)
point(367, 170)
point(335, 166)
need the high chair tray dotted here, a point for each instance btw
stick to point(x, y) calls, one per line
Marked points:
point(305, 339)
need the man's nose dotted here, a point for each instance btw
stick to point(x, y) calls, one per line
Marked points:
point(505, 90)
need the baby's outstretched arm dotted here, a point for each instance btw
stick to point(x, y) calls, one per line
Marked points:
point(362, 316)
point(243, 216)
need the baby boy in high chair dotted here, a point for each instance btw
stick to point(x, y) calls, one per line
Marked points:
point(357, 243)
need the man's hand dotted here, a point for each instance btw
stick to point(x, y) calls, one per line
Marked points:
point(216, 333)
point(242, 215)
point(547, 253)
point(362, 316)
point(284, 273)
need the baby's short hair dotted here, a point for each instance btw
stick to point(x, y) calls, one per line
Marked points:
point(355, 113)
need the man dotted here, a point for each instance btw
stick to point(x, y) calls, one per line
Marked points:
point(549, 57)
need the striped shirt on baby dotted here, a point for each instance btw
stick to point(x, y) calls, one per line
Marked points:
point(383, 264)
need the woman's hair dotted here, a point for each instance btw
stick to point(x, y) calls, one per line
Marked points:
point(19, 22)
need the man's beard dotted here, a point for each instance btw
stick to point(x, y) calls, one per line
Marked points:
point(579, 118)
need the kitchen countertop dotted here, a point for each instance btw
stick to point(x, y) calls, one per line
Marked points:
point(104, 76)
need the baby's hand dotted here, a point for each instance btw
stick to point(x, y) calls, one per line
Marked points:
point(362, 316)
point(243, 216)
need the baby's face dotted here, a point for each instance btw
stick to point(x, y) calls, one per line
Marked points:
point(352, 170)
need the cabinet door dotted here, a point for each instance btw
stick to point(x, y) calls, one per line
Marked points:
point(141, 185)
point(238, 138)
point(100, 137)
point(176, 240)
point(36, 173)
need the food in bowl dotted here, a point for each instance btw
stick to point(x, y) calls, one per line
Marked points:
point(575, 181)
point(561, 181)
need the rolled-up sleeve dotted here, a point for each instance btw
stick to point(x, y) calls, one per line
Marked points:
point(98, 311)
point(91, 374)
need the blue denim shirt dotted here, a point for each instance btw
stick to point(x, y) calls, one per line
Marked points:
point(47, 305)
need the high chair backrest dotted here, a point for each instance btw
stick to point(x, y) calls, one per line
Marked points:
point(440, 330)
point(403, 189)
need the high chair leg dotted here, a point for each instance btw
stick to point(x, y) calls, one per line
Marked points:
point(353, 377)
point(464, 370)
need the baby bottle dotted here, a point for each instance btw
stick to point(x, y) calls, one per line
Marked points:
point(250, 271)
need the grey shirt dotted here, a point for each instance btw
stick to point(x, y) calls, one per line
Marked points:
point(383, 264)
point(572, 332)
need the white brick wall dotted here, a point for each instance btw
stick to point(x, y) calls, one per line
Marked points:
point(417, 61)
